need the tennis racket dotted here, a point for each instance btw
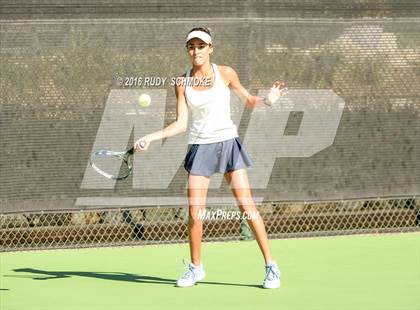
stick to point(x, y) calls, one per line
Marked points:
point(112, 164)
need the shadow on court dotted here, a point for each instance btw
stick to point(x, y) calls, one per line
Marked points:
point(115, 276)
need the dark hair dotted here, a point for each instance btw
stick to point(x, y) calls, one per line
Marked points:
point(205, 29)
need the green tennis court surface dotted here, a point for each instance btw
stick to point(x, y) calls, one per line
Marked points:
point(348, 272)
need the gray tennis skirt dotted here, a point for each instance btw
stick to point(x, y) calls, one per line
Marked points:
point(224, 156)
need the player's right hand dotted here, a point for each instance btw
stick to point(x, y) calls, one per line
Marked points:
point(142, 144)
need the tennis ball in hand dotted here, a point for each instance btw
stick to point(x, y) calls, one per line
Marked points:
point(144, 100)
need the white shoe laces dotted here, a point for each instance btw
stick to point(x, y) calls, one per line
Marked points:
point(271, 273)
point(189, 272)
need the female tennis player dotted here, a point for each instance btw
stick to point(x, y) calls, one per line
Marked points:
point(214, 146)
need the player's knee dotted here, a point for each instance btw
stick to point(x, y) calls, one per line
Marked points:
point(195, 215)
point(248, 208)
point(246, 202)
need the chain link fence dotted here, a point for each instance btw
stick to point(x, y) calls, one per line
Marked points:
point(158, 225)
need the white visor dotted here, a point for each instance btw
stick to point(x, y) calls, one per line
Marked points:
point(199, 34)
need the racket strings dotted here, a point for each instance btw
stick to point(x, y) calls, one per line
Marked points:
point(114, 166)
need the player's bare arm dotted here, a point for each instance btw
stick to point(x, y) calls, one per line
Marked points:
point(231, 78)
point(178, 126)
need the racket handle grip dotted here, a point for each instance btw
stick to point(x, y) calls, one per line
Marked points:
point(131, 151)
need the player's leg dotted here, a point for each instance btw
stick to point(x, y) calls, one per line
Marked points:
point(197, 193)
point(238, 180)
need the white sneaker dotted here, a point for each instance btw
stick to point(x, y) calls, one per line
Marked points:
point(272, 276)
point(191, 276)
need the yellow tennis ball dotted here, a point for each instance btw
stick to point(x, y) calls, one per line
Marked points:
point(144, 100)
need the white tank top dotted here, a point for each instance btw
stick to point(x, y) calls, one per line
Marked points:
point(210, 111)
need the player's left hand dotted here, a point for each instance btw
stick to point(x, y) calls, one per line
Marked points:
point(278, 89)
